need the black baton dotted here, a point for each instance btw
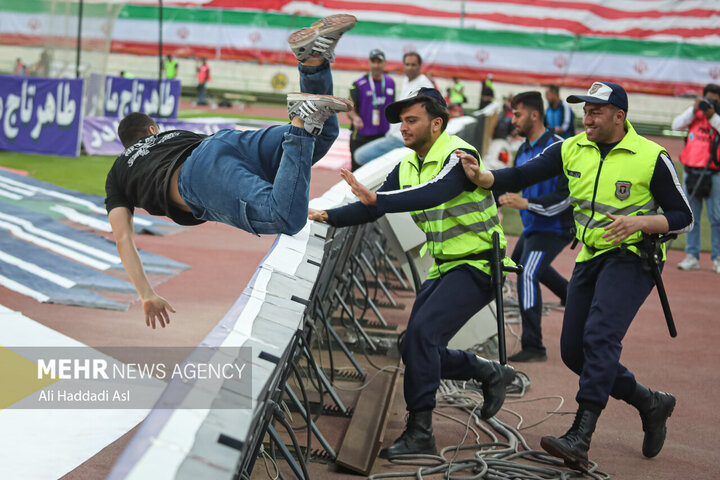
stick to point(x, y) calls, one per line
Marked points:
point(651, 244)
point(496, 270)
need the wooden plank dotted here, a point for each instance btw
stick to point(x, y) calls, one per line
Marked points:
point(364, 435)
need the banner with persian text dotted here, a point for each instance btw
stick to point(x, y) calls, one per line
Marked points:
point(99, 134)
point(117, 96)
point(40, 115)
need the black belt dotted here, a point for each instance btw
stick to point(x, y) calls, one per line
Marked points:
point(486, 255)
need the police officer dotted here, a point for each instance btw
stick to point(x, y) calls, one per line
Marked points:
point(617, 181)
point(458, 219)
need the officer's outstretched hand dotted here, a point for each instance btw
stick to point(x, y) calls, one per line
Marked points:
point(481, 178)
point(156, 310)
point(364, 194)
point(317, 215)
point(622, 227)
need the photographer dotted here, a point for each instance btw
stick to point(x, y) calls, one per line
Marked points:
point(701, 181)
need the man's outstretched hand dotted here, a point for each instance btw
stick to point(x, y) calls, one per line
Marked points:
point(481, 178)
point(364, 194)
point(317, 215)
point(156, 311)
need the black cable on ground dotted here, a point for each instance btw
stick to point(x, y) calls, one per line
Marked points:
point(495, 460)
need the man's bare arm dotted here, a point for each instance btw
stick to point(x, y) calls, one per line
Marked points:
point(155, 307)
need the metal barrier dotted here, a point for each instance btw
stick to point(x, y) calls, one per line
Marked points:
point(322, 284)
point(289, 303)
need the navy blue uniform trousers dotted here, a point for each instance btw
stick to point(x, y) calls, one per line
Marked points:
point(535, 251)
point(442, 306)
point(604, 295)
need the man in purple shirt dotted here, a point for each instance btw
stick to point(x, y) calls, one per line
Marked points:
point(370, 93)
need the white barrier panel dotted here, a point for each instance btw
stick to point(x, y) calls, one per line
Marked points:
point(184, 443)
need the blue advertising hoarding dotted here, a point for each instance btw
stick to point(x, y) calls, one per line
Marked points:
point(40, 115)
point(117, 96)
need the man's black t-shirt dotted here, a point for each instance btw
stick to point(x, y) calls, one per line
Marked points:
point(140, 176)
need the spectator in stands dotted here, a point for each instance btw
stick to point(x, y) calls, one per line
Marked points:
point(171, 67)
point(487, 92)
point(701, 159)
point(459, 221)
point(370, 93)
point(414, 80)
point(255, 180)
point(547, 226)
point(42, 67)
point(203, 77)
point(20, 68)
point(457, 92)
point(559, 117)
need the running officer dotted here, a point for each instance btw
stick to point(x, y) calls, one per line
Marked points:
point(458, 219)
point(617, 181)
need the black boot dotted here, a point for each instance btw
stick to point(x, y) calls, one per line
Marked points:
point(493, 378)
point(574, 445)
point(655, 408)
point(417, 438)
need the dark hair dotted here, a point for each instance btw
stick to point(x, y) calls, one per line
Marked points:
point(134, 127)
point(553, 88)
point(711, 88)
point(415, 54)
point(434, 109)
point(532, 101)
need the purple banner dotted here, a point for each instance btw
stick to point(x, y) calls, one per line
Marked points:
point(99, 134)
point(40, 115)
point(124, 95)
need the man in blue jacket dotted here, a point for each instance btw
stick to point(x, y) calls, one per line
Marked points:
point(559, 117)
point(547, 226)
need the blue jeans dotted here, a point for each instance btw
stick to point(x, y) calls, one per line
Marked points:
point(713, 209)
point(377, 148)
point(259, 181)
point(201, 92)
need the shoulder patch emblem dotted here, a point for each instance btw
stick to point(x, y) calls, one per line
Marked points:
point(573, 173)
point(622, 190)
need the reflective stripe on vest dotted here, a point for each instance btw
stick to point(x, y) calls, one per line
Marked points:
point(619, 184)
point(461, 226)
point(605, 209)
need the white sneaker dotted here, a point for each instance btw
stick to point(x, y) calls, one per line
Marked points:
point(716, 265)
point(690, 262)
point(315, 109)
point(319, 40)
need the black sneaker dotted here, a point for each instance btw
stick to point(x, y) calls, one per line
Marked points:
point(527, 356)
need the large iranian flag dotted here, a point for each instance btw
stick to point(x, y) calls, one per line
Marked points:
point(659, 46)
